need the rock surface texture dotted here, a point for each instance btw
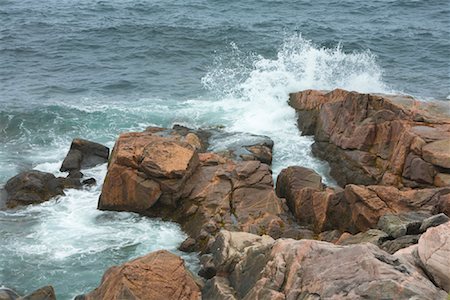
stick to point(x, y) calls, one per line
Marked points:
point(158, 275)
point(252, 267)
point(168, 173)
point(84, 154)
point(377, 139)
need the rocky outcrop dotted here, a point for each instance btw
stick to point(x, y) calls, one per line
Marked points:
point(377, 139)
point(44, 293)
point(84, 154)
point(308, 269)
point(158, 275)
point(358, 208)
point(163, 173)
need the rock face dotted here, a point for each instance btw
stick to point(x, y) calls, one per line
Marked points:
point(84, 154)
point(358, 208)
point(308, 269)
point(32, 187)
point(158, 275)
point(434, 253)
point(167, 173)
point(377, 139)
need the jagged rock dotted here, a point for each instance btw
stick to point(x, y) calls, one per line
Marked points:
point(402, 224)
point(434, 253)
point(308, 269)
point(89, 181)
point(405, 241)
point(371, 139)
point(433, 221)
point(158, 275)
point(84, 154)
point(188, 245)
point(32, 187)
point(157, 173)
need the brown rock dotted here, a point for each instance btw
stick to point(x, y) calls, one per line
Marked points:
point(84, 154)
point(44, 293)
point(441, 180)
point(290, 269)
point(366, 136)
point(438, 153)
point(434, 253)
point(158, 275)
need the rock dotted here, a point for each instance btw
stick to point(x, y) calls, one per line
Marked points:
point(308, 269)
point(393, 246)
point(331, 236)
point(434, 253)
point(75, 174)
point(438, 153)
point(218, 288)
point(8, 294)
point(433, 221)
point(373, 139)
point(45, 293)
point(89, 181)
point(32, 187)
point(208, 269)
point(374, 236)
point(188, 245)
point(84, 154)
point(442, 180)
point(158, 275)
point(402, 224)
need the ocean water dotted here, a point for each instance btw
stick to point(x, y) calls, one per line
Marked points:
point(93, 69)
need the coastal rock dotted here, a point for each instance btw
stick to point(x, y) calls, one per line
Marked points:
point(158, 173)
point(44, 293)
point(158, 275)
point(405, 241)
point(434, 253)
point(402, 224)
point(84, 154)
point(291, 269)
point(374, 236)
point(8, 294)
point(433, 221)
point(376, 139)
point(32, 187)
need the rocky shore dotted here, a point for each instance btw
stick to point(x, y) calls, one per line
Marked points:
point(383, 233)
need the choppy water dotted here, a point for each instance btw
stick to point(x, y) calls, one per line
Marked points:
point(93, 69)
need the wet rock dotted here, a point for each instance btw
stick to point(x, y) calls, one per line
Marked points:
point(376, 139)
point(32, 187)
point(75, 174)
point(89, 181)
point(188, 245)
point(8, 294)
point(45, 293)
point(393, 246)
point(434, 253)
point(158, 275)
point(84, 154)
point(290, 269)
point(402, 224)
point(433, 221)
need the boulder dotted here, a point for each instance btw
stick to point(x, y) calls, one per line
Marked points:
point(374, 236)
point(159, 174)
point(218, 288)
point(402, 224)
point(373, 139)
point(44, 293)
point(308, 269)
point(434, 253)
point(158, 275)
point(433, 221)
point(84, 154)
point(32, 187)
point(405, 241)
point(8, 294)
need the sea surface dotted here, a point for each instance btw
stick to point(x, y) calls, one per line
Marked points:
point(93, 69)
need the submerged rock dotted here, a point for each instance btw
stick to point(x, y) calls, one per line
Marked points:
point(84, 154)
point(32, 187)
point(158, 275)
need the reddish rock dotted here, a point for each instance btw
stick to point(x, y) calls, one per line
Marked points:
point(434, 253)
point(158, 275)
point(369, 138)
point(290, 269)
